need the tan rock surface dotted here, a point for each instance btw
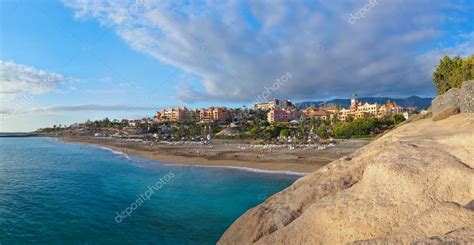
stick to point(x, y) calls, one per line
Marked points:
point(414, 183)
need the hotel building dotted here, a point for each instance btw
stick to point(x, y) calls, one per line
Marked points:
point(283, 115)
point(175, 114)
point(273, 104)
point(317, 114)
point(213, 114)
point(366, 110)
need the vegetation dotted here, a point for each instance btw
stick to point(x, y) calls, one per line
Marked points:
point(251, 127)
point(451, 72)
point(365, 126)
point(323, 132)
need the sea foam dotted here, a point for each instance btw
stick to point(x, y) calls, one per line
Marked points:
point(254, 170)
point(114, 152)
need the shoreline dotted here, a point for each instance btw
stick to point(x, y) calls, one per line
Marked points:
point(226, 155)
point(247, 169)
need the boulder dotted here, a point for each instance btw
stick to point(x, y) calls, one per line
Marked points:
point(444, 101)
point(466, 97)
point(413, 184)
point(231, 131)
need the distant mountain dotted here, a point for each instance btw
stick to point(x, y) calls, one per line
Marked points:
point(412, 101)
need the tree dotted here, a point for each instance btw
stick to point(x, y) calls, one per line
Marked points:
point(322, 132)
point(342, 130)
point(397, 118)
point(451, 72)
point(253, 132)
point(284, 132)
point(358, 127)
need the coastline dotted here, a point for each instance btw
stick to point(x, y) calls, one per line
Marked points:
point(256, 170)
point(228, 154)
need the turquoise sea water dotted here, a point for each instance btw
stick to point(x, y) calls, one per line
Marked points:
point(55, 192)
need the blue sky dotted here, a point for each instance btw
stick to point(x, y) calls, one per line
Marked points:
point(129, 58)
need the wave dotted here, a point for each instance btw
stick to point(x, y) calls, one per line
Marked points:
point(254, 170)
point(114, 152)
point(248, 169)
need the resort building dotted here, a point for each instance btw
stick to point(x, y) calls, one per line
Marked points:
point(363, 114)
point(213, 114)
point(368, 108)
point(316, 113)
point(283, 115)
point(365, 110)
point(331, 108)
point(273, 104)
point(344, 114)
point(389, 108)
point(174, 114)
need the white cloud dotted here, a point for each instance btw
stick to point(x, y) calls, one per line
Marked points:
point(17, 79)
point(238, 47)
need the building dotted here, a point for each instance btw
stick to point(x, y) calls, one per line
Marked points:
point(389, 108)
point(408, 115)
point(363, 114)
point(273, 104)
point(366, 110)
point(175, 114)
point(354, 101)
point(283, 115)
point(134, 123)
point(331, 108)
point(213, 114)
point(317, 114)
point(344, 114)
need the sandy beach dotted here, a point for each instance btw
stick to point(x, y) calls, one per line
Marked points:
point(302, 159)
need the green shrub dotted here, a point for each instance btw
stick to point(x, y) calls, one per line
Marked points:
point(451, 72)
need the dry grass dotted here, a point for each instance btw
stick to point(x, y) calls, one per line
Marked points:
point(446, 113)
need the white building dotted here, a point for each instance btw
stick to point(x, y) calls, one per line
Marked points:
point(273, 104)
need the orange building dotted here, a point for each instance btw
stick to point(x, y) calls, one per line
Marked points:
point(174, 114)
point(213, 114)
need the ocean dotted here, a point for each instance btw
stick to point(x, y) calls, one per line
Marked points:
point(56, 192)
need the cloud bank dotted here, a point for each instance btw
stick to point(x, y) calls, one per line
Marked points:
point(239, 47)
point(17, 80)
point(75, 108)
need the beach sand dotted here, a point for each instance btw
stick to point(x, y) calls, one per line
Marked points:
point(229, 153)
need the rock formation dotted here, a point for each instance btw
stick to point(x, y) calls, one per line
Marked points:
point(455, 99)
point(413, 185)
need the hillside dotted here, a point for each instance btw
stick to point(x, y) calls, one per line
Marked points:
point(412, 101)
point(415, 183)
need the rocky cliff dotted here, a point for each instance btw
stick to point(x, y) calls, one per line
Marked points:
point(413, 185)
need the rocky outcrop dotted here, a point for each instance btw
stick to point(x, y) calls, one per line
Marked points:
point(466, 97)
point(455, 99)
point(445, 101)
point(414, 184)
point(230, 131)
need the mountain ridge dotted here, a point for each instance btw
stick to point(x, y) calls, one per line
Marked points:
point(412, 101)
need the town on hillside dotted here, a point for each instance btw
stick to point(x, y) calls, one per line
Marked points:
point(270, 121)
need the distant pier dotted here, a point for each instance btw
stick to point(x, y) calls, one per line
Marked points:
point(18, 134)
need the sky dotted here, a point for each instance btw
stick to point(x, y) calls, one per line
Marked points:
point(68, 61)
